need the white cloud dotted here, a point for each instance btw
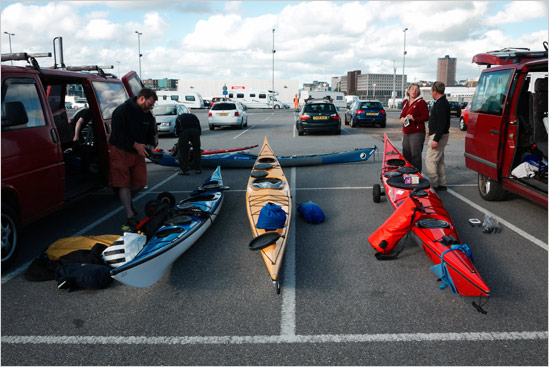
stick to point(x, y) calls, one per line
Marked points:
point(518, 11)
point(313, 40)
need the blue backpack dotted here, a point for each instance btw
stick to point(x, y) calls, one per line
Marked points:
point(311, 212)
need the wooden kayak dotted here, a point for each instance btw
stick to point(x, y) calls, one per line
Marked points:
point(434, 230)
point(268, 184)
point(194, 215)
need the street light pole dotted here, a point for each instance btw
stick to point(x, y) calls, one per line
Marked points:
point(139, 50)
point(403, 62)
point(118, 62)
point(374, 85)
point(9, 37)
point(273, 85)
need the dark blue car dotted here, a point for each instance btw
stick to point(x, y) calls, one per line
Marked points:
point(366, 113)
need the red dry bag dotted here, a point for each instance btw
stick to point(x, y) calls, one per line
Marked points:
point(386, 237)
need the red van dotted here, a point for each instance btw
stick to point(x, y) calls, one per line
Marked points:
point(506, 140)
point(42, 168)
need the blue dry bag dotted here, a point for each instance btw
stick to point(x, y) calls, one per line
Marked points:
point(271, 217)
point(311, 212)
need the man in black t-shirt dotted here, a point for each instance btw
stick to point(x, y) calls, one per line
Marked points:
point(82, 117)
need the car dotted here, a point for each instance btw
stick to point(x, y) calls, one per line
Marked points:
point(506, 140)
point(80, 103)
point(166, 114)
point(455, 108)
point(68, 105)
point(369, 112)
point(228, 113)
point(464, 118)
point(318, 115)
point(207, 103)
point(42, 167)
point(217, 99)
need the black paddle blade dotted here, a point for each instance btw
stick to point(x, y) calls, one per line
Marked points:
point(263, 240)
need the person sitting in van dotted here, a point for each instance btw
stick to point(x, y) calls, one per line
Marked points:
point(187, 129)
point(82, 117)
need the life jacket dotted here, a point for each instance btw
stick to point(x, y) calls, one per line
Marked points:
point(386, 237)
point(64, 246)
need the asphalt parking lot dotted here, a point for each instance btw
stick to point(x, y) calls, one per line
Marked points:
point(338, 305)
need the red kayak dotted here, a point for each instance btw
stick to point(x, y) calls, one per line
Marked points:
point(211, 151)
point(421, 213)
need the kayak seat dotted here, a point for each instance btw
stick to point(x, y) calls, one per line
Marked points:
point(263, 166)
point(398, 182)
point(396, 162)
point(266, 160)
point(407, 169)
point(178, 221)
point(168, 231)
point(433, 223)
point(207, 197)
point(258, 174)
point(267, 183)
point(392, 174)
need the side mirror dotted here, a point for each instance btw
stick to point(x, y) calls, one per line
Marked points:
point(16, 114)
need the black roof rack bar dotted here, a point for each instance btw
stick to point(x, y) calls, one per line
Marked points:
point(23, 56)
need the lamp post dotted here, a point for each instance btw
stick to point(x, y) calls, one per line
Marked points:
point(273, 85)
point(118, 62)
point(139, 50)
point(9, 37)
point(374, 85)
point(403, 62)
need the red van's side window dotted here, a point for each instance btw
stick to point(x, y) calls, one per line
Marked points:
point(491, 92)
point(23, 90)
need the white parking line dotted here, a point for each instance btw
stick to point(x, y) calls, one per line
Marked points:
point(12, 274)
point(511, 226)
point(245, 131)
point(287, 319)
point(277, 339)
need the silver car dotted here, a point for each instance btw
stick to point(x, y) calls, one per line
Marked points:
point(228, 113)
point(166, 114)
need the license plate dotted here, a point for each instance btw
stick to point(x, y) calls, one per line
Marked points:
point(320, 117)
point(371, 113)
point(222, 114)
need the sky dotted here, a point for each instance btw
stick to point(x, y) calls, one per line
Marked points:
point(314, 40)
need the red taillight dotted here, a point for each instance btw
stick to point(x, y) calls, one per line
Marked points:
point(382, 112)
point(304, 117)
point(335, 116)
point(358, 112)
point(236, 113)
point(210, 114)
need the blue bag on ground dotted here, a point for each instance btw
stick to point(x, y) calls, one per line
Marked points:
point(311, 212)
point(271, 216)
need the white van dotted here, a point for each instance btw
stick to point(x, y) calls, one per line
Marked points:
point(189, 99)
point(338, 98)
point(258, 98)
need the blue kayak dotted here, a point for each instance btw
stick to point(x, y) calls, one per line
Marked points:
point(245, 159)
point(193, 216)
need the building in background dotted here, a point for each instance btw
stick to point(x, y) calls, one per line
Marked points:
point(317, 86)
point(446, 70)
point(370, 86)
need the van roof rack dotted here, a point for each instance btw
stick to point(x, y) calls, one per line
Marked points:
point(97, 68)
point(511, 55)
point(25, 56)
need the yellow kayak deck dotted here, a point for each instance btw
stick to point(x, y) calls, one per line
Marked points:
point(272, 187)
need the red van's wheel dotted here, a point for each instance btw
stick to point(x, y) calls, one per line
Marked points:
point(489, 189)
point(10, 236)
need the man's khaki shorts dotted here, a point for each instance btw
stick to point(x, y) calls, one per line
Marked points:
point(127, 169)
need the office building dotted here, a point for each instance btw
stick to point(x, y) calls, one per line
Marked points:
point(446, 70)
